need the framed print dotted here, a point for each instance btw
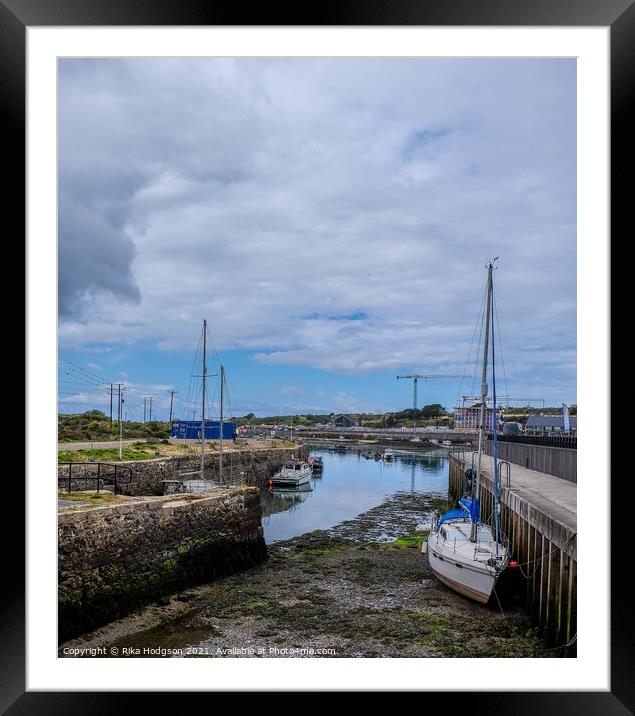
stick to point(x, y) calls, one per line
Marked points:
point(298, 276)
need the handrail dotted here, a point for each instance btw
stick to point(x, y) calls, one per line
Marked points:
point(508, 471)
point(99, 477)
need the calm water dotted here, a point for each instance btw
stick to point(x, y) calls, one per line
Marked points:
point(351, 483)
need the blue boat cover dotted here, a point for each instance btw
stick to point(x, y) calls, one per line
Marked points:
point(452, 515)
point(472, 507)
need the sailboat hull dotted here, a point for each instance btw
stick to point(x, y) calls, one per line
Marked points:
point(453, 562)
point(471, 584)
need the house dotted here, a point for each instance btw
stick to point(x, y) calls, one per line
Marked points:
point(343, 421)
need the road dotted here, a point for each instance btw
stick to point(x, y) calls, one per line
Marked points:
point(95, 444)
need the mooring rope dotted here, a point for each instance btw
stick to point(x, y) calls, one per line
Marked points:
point(522, 638)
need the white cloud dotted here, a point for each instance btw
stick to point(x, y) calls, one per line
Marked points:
point(260, 192)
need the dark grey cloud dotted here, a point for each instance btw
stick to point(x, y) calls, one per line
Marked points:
point(94, 257)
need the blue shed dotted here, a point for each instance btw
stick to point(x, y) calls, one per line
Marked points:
point(191, 430)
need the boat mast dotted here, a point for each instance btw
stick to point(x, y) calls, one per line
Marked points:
point(204, 375)
point(482, 433)
point(220, 458)
point(494, 440)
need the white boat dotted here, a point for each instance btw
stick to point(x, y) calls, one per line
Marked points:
point(293, 473)
point(463, 552)
point(470, 565)
point(388, 454)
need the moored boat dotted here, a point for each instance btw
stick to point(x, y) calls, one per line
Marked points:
point(465, 553)
point(295, 472)
point(316, 463)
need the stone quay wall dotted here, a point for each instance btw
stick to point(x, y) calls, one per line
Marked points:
point(113, 559)
point(257, 466)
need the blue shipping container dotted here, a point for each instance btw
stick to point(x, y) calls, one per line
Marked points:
point(191, 430)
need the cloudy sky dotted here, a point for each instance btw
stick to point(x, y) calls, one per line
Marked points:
point(331, 218)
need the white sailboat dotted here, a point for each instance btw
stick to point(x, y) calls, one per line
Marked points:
point(201, 484)
point(463, 552)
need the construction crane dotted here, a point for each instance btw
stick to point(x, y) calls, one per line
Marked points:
point(415, 379)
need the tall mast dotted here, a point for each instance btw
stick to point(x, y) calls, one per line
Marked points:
point(220, 459)
point(494, 426)
point(414, 407)
point(482, 433)
point(204, 375)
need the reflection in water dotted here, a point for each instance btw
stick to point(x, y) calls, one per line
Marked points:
point(281, 499)
point(353, 481)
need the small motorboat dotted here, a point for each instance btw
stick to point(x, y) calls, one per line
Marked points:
point(293, 473)
point(388, 454)
point(317, 466)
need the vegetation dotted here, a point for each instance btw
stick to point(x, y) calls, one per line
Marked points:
point(136, 451)
point(433, 414)
point(92, 498)
point(95, 425)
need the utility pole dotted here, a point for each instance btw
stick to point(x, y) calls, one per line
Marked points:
point(171, 392)
point(150, 420)
point(121, 401)
point(204, 375)
point(415, 378)
point(144, 409)
point(111, 408)
point(220, 456)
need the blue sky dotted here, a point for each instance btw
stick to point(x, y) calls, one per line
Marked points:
point(331, 218)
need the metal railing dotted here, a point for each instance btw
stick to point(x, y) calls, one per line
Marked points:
point(508, 467)
point(561, 441)
point(102, 477)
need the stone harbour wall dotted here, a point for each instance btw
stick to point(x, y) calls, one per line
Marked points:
point(113, 559)
point(147, 475)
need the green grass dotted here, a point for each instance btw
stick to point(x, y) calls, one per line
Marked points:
point(136, 451)
point(93, 498)
point(412, 541)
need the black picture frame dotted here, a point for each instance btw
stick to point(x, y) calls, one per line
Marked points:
point(619, 15)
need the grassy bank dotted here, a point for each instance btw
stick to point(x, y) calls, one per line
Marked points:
point(136, 451)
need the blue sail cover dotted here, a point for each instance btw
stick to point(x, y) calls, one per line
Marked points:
point(452, 515)
point(472, 506)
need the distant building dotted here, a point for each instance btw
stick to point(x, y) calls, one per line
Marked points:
point(343, 421)
point(545, 424)
point(469, 417)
